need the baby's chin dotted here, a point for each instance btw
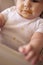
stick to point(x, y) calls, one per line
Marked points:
point(27, 15)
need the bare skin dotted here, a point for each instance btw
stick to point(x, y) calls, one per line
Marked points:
point(29, 8)
point(32, 50)
point(2, 20)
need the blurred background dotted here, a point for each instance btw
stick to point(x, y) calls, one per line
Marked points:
point(6, 3)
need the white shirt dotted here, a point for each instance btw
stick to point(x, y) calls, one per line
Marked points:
point(18, 30)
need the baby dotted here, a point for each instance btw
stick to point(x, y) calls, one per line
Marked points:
point(21, 27)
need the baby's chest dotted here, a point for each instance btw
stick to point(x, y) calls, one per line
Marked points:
point(17, 27)
point(20, 29)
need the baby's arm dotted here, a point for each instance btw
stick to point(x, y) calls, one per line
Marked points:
point(37, 40)
point(32, 50)
point(4, 15)
point(2, 20)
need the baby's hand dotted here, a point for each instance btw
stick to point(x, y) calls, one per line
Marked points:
point(30, 53)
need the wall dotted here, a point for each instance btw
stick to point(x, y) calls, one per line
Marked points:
point(6, 3)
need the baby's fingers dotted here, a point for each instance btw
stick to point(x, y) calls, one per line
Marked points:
point(41, 58)
point(35, 59)
point(29, 55)
point(25, 49)
point(22, 49)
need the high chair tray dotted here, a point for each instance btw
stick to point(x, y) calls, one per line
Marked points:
point(9, 56)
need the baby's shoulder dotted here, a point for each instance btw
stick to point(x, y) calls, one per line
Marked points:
point(39, 20)
point(8, 10)
point(13, 8)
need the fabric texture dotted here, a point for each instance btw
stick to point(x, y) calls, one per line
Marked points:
point(18, 30)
